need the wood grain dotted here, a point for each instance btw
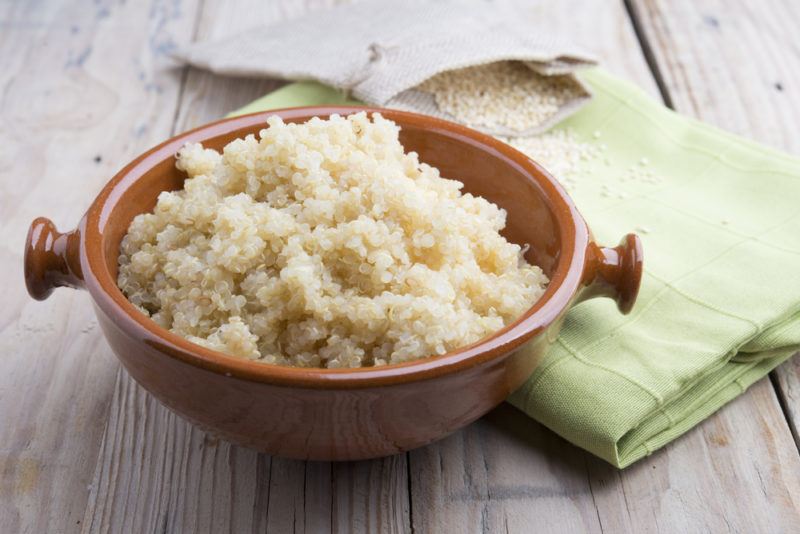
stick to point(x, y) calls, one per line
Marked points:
point(602, 29)
point(787, 379)
point(81, 91)
point(734, 64)
point(146, 483)
point(507, 474)
point(503, 473)
point(742, 454)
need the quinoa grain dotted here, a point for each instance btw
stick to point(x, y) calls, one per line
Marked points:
point(503, 93)
point(324, 244)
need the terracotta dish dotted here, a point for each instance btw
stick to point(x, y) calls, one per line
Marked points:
point(340, 414)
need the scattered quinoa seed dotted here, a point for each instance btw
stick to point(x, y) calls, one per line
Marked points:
point(560, 151)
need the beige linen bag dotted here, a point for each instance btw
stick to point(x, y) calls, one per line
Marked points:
point(380, 50)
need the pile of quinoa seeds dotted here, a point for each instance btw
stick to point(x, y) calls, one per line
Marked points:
point(504, 93)
point(509, 94)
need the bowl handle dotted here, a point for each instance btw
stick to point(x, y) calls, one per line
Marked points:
point(52, 259)
point(614, 272)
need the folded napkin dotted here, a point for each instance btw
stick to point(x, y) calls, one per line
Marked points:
point(381, 50)
point(720, 300)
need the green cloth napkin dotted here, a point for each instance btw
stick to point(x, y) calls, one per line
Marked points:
point(720, 300)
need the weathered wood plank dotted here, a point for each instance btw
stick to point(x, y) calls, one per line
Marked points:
point(742, 454)
point(788, 384)
point(80, 94)
point(504, 473)
point(734, 64)
point(731, 63)
point(371, 496)
point(146, 482)
point(602, 28)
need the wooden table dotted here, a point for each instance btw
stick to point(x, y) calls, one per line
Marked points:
point(86, 86)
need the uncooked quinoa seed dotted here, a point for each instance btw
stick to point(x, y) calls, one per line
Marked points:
point(561, 152)
point(503, 93)
point(324, 244)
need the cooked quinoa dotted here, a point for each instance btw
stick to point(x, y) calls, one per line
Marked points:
point(324, 244)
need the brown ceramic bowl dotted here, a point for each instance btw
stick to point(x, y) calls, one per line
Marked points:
point(340, 414)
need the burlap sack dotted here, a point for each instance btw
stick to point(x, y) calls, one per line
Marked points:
point(380, 50)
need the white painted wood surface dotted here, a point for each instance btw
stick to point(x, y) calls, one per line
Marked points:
point(80, 93)
point(85, 87)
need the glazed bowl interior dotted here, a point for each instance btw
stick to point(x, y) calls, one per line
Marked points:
point(538, 211)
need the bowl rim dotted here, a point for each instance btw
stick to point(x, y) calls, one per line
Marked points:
point(560, 292)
